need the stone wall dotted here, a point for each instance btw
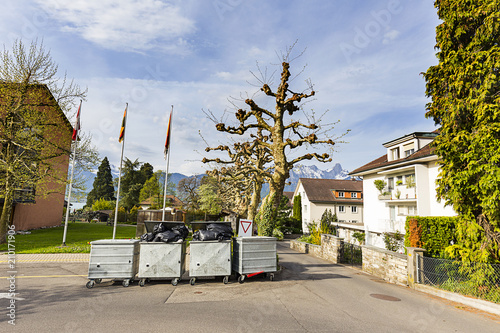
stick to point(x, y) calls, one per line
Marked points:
point(329, 248)
point(302, 247)
point(388, 265)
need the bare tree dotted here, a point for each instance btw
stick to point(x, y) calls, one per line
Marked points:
point(283, 135)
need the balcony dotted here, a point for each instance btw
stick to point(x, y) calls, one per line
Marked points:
point(400, 194)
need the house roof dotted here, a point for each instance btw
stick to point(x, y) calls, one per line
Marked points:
point(176, 202)
point(382, 161)
point(320, 190)
point(289, 195)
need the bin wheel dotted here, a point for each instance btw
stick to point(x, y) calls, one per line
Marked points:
point(271, 276)
point(192, 281)
point(225, 279)
point(90, 284)
point(126, 283)
point(98, 281)
point(142, 282)
point(175, 282)
point(241, 278)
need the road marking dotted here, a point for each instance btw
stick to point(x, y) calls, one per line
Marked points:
point(41, 276)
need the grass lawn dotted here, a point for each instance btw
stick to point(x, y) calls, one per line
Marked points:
point(77, 239)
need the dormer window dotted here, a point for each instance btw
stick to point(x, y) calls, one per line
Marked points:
point(341, 194)
point(409, 149)
point(395, 154)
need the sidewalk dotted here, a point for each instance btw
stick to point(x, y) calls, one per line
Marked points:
point(47, 257)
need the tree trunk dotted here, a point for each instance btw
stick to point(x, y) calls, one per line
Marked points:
point(254, 200)
point(6, 213)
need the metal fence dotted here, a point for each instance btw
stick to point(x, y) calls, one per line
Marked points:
point(472, 279)
point(351, 254)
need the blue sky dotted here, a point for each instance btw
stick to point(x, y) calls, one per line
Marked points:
point(363, 57)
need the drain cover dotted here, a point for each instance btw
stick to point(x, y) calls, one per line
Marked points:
point(385, 297)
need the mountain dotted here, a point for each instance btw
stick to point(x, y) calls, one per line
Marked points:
point(299, 171)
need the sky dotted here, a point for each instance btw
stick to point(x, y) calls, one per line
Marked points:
point(365, 59)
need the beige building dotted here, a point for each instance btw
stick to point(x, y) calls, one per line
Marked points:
point(342, 197)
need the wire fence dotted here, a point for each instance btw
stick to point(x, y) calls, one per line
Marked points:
point(351, 254)
point(472, 279)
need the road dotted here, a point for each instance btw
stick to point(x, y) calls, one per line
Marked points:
point(309, 295)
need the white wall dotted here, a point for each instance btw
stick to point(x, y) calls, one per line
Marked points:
point(375, 211)
point(436, 208)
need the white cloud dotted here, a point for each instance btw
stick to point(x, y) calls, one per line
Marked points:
point(390, 36)
point(135, 25)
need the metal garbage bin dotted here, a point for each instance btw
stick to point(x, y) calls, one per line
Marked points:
point(209, 258)
point(113, 259)
point(253, 256)
point(159, 260)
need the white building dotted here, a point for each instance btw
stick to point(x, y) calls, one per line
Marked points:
point(409, 168)
point(343, 197)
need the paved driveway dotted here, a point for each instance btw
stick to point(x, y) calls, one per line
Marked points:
point(310, 295)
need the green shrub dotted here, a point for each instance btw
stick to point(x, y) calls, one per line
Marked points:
point(436, 233)
point(393, 241)
point(359, 236)
point(278, 234)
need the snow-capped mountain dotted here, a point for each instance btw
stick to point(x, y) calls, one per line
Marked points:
point(312, 171)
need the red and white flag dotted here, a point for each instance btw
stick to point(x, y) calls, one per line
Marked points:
point(77, 124)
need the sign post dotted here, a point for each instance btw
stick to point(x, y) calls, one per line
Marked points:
point(245, 228)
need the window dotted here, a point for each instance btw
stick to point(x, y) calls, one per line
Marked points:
point(410, 179)
point(305, 208)
point(354, 221)
point(354, 209)
point(409, 152)
point(341, 209)
point(395, 153)
point(412, 210)
point(390, 182)
point(341, 194)
point(354, 195)
point(409, 149)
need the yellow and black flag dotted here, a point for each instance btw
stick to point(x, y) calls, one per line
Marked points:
point(122, 129)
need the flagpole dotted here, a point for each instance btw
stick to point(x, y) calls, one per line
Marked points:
point(77, 128)
point(119, 178)
point(166, 167)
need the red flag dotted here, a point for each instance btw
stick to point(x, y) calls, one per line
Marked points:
point(77, 125)
point(122, 129)
point(167, 141)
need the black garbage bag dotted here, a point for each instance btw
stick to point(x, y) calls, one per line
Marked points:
point(168, 236)
point(181, 230)
point(224, 231)
point(205, 235)
point(158, 228)
point(147, 237)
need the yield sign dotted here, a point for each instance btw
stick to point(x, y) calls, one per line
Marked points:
point(245, 229)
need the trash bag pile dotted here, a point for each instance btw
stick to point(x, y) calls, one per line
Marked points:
point(214, 231)
point(162, 234)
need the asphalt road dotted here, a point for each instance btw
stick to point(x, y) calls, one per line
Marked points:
point(310, 295)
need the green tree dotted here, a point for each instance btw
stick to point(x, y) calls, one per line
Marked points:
point(131, 183)
point(103, 184)
point(103, 204)
point(30, 138)
point(465, 91)
point(297, 208)
point(209, 196)
point(152, 189)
